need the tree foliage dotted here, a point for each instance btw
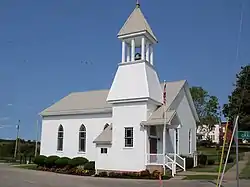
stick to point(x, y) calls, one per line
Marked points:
point(25, 148)
point(207, 108)
point(239, 100)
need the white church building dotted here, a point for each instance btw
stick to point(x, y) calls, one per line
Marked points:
point(128, 127)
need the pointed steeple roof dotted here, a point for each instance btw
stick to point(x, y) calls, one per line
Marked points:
point(136, 23)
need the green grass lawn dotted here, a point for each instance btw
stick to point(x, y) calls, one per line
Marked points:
point(211, 168)
point(201, 177)
point(212, 154)
point(245, 174)
point(27, 166)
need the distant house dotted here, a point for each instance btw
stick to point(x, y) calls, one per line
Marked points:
point(204, 133)
point(223, 130)
point(128, 127)
point(216, 134)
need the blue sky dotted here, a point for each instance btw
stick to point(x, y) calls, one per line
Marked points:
point(42, 44)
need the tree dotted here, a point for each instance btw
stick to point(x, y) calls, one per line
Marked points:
point(207, 108)
point(239, 100)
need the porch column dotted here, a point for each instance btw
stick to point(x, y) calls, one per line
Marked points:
point(146, 144)
point(175, 150)
point(164, 147)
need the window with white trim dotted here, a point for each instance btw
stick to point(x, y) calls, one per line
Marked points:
point(60, 138)
point(190, 141)
point(104, 150)
point(177, 140)
point(82, 139)
point(129, 141)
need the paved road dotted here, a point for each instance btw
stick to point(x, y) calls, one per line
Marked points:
point(13, 177)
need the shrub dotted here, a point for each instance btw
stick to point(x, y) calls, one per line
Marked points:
point(103, 174)
point(189, 162)
point(145, 174)
point(50, 161)
point(77, 161)
point(62, 162)
point(210, 162)
point(202, 159)
point(230, 160)
point(156, 174)
point(206, 143)
point(40, 160)
point(90, 166)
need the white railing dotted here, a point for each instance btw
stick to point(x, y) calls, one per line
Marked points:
point(170, 164)
point(158, 159)
point(155, 159)
point(181, 162)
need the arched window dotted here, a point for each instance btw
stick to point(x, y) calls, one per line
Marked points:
point(105, 126)
point(82, 139)
point(60, 138)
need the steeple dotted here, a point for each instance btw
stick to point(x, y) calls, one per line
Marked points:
point(138, 4)
point(137, 38)
point(136, 78)
point(137, 24)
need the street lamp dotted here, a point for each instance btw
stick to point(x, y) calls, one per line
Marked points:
point(17, 137)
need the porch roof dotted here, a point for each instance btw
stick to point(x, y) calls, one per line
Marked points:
point(105, 137)
point(157, 118)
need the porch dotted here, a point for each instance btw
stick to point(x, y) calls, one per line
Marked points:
point(162, 141)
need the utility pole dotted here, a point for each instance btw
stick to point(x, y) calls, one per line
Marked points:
point(17, 137)
point(237, 150)
point(37, 130)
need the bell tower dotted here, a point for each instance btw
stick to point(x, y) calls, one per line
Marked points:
point(137, 38)
point(136, 77)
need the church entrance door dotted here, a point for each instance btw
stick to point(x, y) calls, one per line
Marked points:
point(153, 149)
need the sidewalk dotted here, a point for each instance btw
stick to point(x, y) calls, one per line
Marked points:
point(186, 173)
point(231, 173)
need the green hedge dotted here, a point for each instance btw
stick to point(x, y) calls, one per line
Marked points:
point(78, 161)
point(51, 161)
point(89, 165)
point(62, 162)
point(40, 160)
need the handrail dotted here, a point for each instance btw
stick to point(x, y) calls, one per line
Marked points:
point(169, 158)
point(172, 165)
point(169, 162)
point(184, 162)
point(177, 163)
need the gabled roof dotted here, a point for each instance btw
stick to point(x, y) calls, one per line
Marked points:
point(79, 103)
point(95, 101)
point(105, 136)
point(135, 23)
point(157, 118)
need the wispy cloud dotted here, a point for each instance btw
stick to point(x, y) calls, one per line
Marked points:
point(4, 118)
point(10, 104)
point(5, 126)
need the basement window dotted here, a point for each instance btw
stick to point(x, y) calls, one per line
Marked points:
point(104, 150)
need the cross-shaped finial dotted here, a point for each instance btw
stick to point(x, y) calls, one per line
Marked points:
point(137, 3)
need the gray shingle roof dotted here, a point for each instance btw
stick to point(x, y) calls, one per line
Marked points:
point(105, 136)
point(79, 103)
point(157, 118)
point(135, 23)
point(95, 101)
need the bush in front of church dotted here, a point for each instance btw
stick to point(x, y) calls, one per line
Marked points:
point(62, 162)
point(90, 166)
point(189, 162)
point(50, 161)
point(78, 161)
point(40, 160)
